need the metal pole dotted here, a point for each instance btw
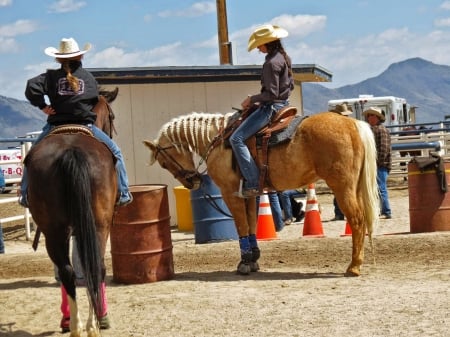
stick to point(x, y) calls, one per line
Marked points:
point(222, 28)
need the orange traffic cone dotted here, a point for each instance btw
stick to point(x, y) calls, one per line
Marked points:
point(348, 230)
point(265, 229)
point(312, 226)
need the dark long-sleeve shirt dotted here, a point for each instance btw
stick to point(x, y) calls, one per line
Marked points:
point(70, 106)
point(276, 84)
point(383, 144)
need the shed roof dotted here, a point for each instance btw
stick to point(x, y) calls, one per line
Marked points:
point(129, 75)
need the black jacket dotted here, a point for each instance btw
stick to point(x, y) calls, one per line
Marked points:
point(70, 106)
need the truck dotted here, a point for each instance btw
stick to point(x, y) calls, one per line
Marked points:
point(396, 109)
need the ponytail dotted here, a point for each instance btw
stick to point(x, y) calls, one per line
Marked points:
point(73, 80)
point(275, 46)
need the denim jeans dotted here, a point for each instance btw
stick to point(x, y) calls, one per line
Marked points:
point(275, 208)
point(382, 174)
point(257, 120)
point(2, 243)
point(101, 136)
point(285, 199)
point(337, 210)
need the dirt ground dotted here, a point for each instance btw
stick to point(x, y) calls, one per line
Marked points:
point(299, 291)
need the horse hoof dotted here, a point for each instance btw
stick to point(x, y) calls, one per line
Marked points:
point(243, 268)
point(254, 266)
point(352, 272)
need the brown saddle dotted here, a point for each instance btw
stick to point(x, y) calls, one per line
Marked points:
point(258, 144)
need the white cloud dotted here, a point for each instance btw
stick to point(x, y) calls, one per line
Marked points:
point(65, 6)
point(8, 45)
point(196, 10)
point(445, 5)
point(19, 27)
point(442, 22)
point(300, 25)
point(4, 3)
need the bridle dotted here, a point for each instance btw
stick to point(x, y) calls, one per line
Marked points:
point(187, 175)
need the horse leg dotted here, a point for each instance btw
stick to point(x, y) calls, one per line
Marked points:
point(251, 219)
point(58, 251)
point(92, 325)
point(354, 214)
point(250, 251)
point(67, 277)
point(243, 212)
point(358, 234)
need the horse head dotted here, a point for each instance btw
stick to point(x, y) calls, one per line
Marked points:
point(177, 160)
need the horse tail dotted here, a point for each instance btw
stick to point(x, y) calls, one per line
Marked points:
point(367, 185)
point(74, 168)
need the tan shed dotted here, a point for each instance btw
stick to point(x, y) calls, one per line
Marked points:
point(150, 97)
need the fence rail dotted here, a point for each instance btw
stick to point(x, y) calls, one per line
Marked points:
point(415, 143)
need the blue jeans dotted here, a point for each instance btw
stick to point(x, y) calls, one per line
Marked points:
point(285, 199)
point(382, 174)
point(2, 244)
point(337, 210)
point(101, 136)
point(257, 120)
point(275, 208)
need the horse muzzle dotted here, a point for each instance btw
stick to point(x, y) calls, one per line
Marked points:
point(192, 180)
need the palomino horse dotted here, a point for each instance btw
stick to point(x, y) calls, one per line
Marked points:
point(72, 191)
point(338, 149)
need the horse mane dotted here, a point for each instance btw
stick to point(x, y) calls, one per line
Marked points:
point(193, 129)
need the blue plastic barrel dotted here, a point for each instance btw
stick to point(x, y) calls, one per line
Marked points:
point(210, 224)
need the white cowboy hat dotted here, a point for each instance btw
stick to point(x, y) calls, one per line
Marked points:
point(68, 47)
point(342, 109)
point(375, 111)
point(265, 34)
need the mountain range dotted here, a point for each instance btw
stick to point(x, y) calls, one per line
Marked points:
point(422, 83)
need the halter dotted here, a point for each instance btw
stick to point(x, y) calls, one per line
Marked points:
point(181, 173)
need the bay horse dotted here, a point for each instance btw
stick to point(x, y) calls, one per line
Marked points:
point(72, 191)
point(340, 150)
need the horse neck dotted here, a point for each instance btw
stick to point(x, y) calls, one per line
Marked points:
point(103, 121)
point(195, 132)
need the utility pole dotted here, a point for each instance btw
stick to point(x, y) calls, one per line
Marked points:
point(225, 54)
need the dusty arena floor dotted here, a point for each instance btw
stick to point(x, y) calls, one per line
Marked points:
point(300, 290)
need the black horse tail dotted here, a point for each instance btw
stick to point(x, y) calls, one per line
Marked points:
point(74, 167)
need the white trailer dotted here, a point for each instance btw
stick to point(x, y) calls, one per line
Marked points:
point(396, 109)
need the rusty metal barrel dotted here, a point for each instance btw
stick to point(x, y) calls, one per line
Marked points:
point(141, 243)
point(429, 206)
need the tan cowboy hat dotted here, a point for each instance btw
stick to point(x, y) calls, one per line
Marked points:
point(265, 34)
point(342, 109)
point(68, 47)
point(375, 111)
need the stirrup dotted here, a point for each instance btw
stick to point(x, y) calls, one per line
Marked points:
point(246, 193)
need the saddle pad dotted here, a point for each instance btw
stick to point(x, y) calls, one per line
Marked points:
point(284, 134)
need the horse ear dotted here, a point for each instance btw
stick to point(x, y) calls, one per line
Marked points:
point(152, 147)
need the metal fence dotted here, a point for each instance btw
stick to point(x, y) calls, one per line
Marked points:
point(426, 138)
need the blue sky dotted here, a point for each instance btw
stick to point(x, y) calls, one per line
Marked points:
point(354, 39)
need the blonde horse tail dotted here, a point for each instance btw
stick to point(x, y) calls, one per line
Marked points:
point(367, 185)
